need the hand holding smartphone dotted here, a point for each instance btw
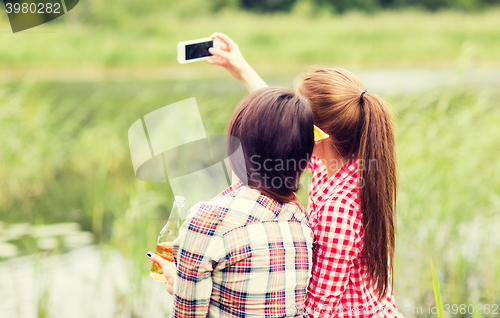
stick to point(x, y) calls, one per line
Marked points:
point(226, 54)
point(196, 50)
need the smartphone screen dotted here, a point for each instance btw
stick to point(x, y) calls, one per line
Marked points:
point(197, 50)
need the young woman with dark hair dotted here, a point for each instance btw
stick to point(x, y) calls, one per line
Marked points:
point(353, 192)
point(269, 128)
point(248, 251)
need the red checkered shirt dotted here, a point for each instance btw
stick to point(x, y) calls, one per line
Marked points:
point(339, 286)
point(242, 254)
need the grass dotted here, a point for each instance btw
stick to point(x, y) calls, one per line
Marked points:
point(448, 203)
point(437, 292)
point(94, 35)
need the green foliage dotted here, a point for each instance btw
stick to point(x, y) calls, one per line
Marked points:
point(66, 156)
point(342, 6)
point(269, 42)
point(339, 6)
point(195, 7)
point(432, 5)
point(267, 5)
point(448, 193)
point(437, 292)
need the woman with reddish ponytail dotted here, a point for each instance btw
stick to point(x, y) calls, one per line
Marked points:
point(353, 194)
point(352, 200)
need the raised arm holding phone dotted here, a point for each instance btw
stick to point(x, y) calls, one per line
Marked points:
point(229, 56)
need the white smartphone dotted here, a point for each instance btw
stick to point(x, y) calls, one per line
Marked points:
point(196, 50)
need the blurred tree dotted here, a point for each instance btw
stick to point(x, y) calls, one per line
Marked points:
point(342, 6)
point(100, 11)
point(394, 3)
point(218, 5)
point(433, 5)
point(268, 5)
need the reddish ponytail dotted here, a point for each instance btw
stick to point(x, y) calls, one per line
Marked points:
point(378, 195)
point(360, 125)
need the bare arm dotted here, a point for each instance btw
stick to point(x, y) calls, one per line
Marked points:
point(229, 56)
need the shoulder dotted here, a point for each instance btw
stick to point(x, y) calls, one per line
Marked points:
point(293, 211)
point(203, 218)
point(230, 209)
point(208, 214)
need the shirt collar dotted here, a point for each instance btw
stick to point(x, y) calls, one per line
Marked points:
point(349, 170)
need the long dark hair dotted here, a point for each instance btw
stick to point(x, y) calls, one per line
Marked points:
point(360, 125)
point(275, 129)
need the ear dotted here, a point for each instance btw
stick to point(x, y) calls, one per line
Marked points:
point(319, 148)
point(321, 142)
